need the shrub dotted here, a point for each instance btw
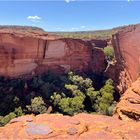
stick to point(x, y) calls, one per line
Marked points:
point(102, 101)
point(74, 91)
point(92, 94)
point(106, 99)
point(7, 118)
point(37, 106)
point(18, 111)
point(72, 105)
point(68, 94)
point(56, 97)
point(109, 52)
point(82, 83)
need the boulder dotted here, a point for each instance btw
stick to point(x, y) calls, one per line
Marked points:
point(129, 106)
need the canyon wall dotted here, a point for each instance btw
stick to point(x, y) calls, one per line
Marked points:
point(127, 51)
point(33, 53)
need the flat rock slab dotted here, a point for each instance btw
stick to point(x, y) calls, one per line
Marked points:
point(79, 127)
point(72, 131)
point(38, 129)
point(27, 119)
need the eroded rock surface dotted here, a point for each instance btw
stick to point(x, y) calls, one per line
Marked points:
point(56, 126)
point(35, 51)
point(129, 105)
point(127, 51)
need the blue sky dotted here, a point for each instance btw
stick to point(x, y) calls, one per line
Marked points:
point(66, 15)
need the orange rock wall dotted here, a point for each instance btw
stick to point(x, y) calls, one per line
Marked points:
point(20, 55)
point(127, 51)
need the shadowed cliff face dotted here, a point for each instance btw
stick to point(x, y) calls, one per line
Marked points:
point(34, 53)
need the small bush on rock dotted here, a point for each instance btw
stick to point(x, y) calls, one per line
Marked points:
point(109, 52)
point(7, 118)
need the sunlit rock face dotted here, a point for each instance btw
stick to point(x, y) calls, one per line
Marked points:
point(18, 54)
point(127, 51)
point(33, 53)
point(80, 127)
point(129, 106)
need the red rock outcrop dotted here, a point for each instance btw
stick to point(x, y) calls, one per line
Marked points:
point(81, 127)
point(129, 105)
point(127, 51)
point(37, 52)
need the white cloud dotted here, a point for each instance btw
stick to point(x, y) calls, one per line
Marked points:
point(34, 18)
point(69, 1)
point(74, 28)
point(83, 27)
point(130, 0)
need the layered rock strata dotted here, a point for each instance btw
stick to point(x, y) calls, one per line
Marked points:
point(129, 106)
point(37, 52)
point(127, 51)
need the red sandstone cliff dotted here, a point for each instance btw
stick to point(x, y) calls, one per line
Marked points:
point(127, 52)
point(34, 51)
point(129, 105)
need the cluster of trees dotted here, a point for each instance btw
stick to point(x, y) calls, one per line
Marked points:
point(101, 34)
point(67, 94)
point(80, 94)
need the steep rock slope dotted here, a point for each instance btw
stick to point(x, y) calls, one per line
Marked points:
point(127, 51)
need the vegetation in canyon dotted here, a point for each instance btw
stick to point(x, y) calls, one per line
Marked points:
point(98, 34)
point(67, 94)
point(109, 53)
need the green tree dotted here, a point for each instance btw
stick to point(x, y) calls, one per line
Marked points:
point(71, 105)
point(74, 90)
point(82, 83)
point(37, 106)
point(18, 111)
point(109, 52)
point(92, 94)
point(56, 97)
point(106, 100)
point(102, 100)
point(7, 118)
